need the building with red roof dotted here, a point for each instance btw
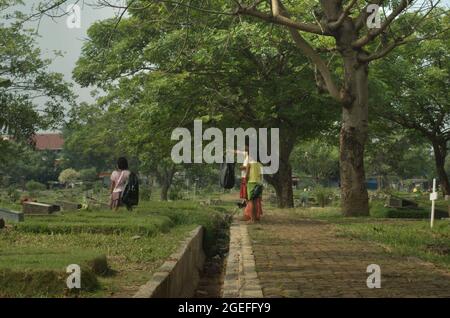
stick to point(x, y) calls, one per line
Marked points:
point(50, 141)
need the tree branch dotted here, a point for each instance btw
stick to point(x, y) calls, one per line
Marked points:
point(316, 59)
point(336, 24)
point(360, 21)
point(281, 20)
point(375, 32)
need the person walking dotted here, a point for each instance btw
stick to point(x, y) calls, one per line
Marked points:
point(119, 179)
point(253, 210)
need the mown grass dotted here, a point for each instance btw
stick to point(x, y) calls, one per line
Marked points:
point(135, 244)
point(407, 238)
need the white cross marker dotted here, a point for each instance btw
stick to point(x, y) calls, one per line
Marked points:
point(433, 198)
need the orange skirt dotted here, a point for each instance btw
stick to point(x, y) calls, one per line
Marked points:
point(253, 204)
point(243, 191)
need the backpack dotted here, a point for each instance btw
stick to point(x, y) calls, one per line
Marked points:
point(227, 175)
point(256, 192)
point(130, 195)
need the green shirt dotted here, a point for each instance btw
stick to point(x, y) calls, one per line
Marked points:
point(255, 175)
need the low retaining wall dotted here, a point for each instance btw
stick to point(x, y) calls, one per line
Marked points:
point(178, 277)
point(241, 279)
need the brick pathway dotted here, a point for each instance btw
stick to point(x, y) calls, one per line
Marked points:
point(298, 257)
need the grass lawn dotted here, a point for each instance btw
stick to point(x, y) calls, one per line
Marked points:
point(34, 254)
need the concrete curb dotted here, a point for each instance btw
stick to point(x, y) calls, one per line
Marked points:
point(178, 277)
point(241, 279)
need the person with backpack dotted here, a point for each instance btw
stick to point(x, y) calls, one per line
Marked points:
point(119, 184)
point(253, 210)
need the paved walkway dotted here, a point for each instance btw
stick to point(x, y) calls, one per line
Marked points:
point(298, 257)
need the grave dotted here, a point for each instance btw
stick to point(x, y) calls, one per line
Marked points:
point(68, 206)
point(396, 202)
point(37, 208)
point(11, 215)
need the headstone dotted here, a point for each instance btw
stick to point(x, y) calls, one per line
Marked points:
point(11, 215)
point(39, 208)
point(2, 223)
point(395, 202)
point(68, 206)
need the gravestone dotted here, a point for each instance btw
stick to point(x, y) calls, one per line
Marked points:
point(39, 208)
point(68, 206)
point(11, 215)
point(396, 202)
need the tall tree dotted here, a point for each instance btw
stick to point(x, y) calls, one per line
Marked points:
point(342, 27)
point(413, 84)
point(31, 97)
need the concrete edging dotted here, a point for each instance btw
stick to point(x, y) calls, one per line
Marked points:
point(241, 279)
point(178, 277)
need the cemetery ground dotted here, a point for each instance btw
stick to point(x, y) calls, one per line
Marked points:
point(308, 251)
point(117, 252)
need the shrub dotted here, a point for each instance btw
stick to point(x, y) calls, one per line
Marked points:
point(88, 175)
point(68, 175)
point(145, 193)
point(175, 194)
point(323, 196)
point(98, 186)
point(13, 194)
point(35, 186)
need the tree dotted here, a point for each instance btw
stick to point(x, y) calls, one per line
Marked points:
point(397, 152)
point(414, 83)
point(91, 136)
point(20, 163)
point(326, 29)
point(243, 88)
point(317, 159)
point(357, 46)
point(25, 78)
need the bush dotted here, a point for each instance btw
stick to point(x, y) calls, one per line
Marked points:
point(405, 213)
point(35, 186)
point(145, 193)
point(68, 175)
point(88, 175)
point(323, 196)
point(98, 186)
point(13, 194)
point(175, 194)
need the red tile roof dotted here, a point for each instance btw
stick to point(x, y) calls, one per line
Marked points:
point(48, 141)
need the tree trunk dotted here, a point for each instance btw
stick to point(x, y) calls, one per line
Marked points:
point(165, 178)
point(282, 180)
point(440, 152)
point(354, 128)
point(164, 191)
